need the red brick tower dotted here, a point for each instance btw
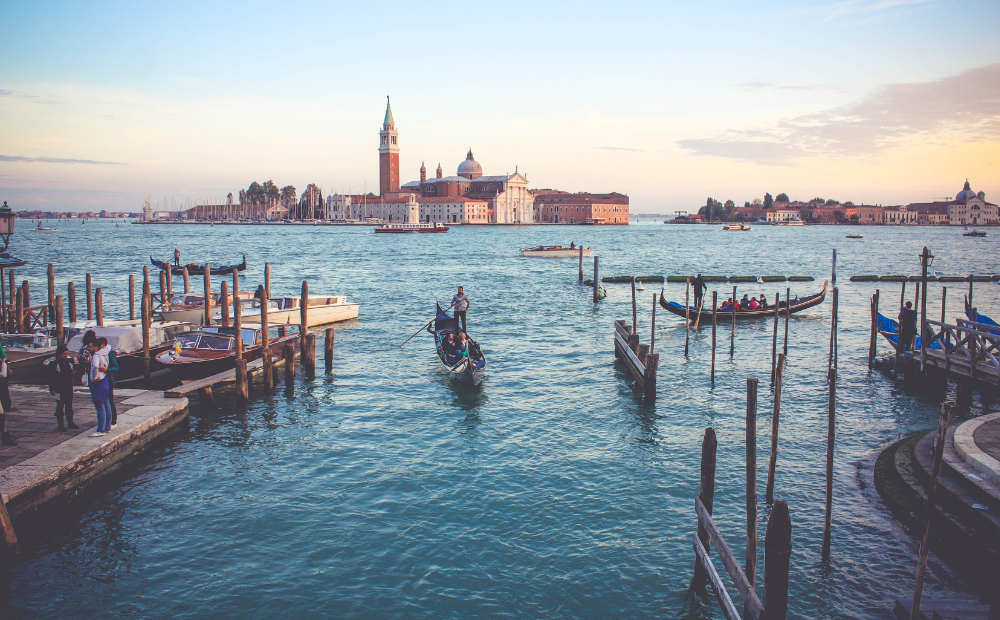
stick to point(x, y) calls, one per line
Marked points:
point(388, 154)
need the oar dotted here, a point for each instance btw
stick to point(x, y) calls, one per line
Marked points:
point(699, 312)
point(426, 326)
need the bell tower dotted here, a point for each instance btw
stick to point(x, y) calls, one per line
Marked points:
point(388, 154)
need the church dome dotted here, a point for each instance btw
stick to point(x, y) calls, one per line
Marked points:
point(470, 168)
point(981, 195)
point(966, 193)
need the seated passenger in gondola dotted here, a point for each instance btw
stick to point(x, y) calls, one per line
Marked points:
point(727, 306)
point(753, 304)
point(762, 303)
point(745, 303)
point(450, 347)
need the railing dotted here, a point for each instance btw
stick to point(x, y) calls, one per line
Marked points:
point(968, 349)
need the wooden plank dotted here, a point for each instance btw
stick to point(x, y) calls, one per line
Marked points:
point(721, 595)
point(750, 598)
point(193, 386)
point(635, 366)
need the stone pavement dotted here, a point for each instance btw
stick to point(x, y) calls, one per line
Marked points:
point(987, 437)
point(977, 442)
point(32, 423)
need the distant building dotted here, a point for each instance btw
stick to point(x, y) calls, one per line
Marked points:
point(558, 207)
point(899, 215)
point(450, 210)
point(782, 215)
point(870, 214)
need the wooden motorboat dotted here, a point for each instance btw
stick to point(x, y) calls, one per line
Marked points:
point(27, 355)
point(323, 310)
point(195, 268)
point(212, 350)
point(737, 227)
point(469, 369)
point(975, 233)
point(436, 227)
point(855, 236)
point(554, 251)
point(797, 305)
point(190, 307)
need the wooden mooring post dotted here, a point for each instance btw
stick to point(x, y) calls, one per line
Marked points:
point(751, 489)
point(777, 552)
point(899, 339)
point(773, 461)
point(873, 336)
point(304, 320)
point(687, 315)
point(328, 349)
point(60, 327)
point(788, 312)
point(224, 302)
point(265, 344)
point(597, 278)
point(715, 322)
point(90, 298)
point(51, 272)
point(639, 359)
point(242, 378)
point(635, 315)
point(147, 312)
point(732, 334)
point(289, 354)
point(187, 281)
point(99, 306)
point(163, 287)
point(774, 338)
point(581, 264)
point(71, 295)
point(131, 297)
point(918, 584)
point(309, 355)
point(831, 428)
point(207, 320)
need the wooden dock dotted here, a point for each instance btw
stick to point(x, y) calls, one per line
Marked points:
point(968, 350)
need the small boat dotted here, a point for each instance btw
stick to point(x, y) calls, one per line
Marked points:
point(855, 236)
point(195, 268)
point(797, 305)
point(323, 310)
point(27, 355)
point(740, 226)
point(982, 319)
point(554, 251)
point(469, 368)
point(638, 285)
point(212, 350)
point(889, 328)
point(436, 227)
point(792, 222)
point(975, 233)
point(41, 228)
point(190, 307)
point(126, 342)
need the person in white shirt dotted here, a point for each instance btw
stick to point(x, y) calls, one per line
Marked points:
point(100, 388)
point(461, 304)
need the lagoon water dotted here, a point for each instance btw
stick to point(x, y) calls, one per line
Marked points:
point(383, 490)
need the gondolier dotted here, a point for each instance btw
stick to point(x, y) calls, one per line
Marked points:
point(699, 290)
point(177, 257)
point(461, 305)
point(907, 326)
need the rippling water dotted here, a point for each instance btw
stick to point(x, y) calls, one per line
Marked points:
point(383, 490)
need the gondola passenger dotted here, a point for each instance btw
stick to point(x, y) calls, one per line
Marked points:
point(450, 347)
point(745, 302)
point(762, 304)
point(727, 306)
point(753, 304)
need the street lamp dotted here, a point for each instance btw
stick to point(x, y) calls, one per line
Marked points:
point(7, 218)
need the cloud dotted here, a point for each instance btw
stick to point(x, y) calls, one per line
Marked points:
point(856, 7)
point(621, 148)
point(5, 93)
point(57, 160)
point(967, 104)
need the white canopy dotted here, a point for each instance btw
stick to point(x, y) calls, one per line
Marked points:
point(121, 339)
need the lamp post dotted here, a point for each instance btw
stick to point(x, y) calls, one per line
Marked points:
point(7, 218)
point(926, 260)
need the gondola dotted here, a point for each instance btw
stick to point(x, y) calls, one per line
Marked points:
point(797, 305)
point(466, 369)
point(195, 268)
point(974, 315)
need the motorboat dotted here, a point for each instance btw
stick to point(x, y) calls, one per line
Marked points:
point(42, 229)
point(212, 350)
point(27, 355)
point(789, 222)
point(975, 233)
point(126, 342)
point(322, 310)
point(554, 251)
point(855, 236)
point(190, 307)
point(426, 227)
point(739, 226)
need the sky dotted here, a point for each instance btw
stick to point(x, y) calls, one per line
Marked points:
point(873, 101)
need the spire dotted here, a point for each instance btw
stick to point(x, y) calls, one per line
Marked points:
point(440, 172)
point(388, 122)
point(469, 156)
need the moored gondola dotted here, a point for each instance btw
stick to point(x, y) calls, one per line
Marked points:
point(469, 368)
point(195, 268)
point(797, 305)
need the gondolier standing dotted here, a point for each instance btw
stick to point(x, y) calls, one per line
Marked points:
point(461, 304)
point(907, 327)
point(699, 289)
point(177, 257)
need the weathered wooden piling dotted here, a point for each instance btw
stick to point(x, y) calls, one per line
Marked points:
point(238, 328)
point(777, 554)
point(208, 296)
point(289, 353)
point(90, 298)
point(60, 326)
point(715, 300)
point(242, 387)
point(873, 336)
point(99, 306)
point(224, 303)
point(236, 285)
point(635, 316)
point(309, 354)
point(918, 584)
point(147, 313)
point(944, 299)
point(19, 311)
point(924, 334)
point(131, 298)
point(328, 349)
point(71, 295)
point(773, 461)
point(581, 264)
point(163, 287)
point(597, 278)
point(732, 334)
point(13, 288)
point(265, 327)
point(831, 428)
point(833, 275)
point(51, 272)
point(7, 530)
point(788, 312)
point(26, 294)
point(751, 488)
point(774, 338)
point(687, 315)
point(706, 493)
point(187, 281)
point(303, 316)
point(652, 327)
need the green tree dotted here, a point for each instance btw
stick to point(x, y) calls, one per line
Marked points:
point(768, 201)
point(782, 197)
point(848, 204)
point(730, 208)
point(839, 215)
point(832, 202)
point(255, 193)
point(855, 218)
point(818, 200)
point(805, 214)
point(747, 204)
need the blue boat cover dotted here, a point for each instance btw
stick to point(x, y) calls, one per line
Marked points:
point(890, 329)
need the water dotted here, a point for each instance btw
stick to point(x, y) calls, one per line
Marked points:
point(385, 491)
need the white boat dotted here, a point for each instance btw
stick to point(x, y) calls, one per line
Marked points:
point(286, 310)
point(40, 228)
point(791, 222)
point(190, 307)
point(554, 251)
point(27, 355)
point(739, 226)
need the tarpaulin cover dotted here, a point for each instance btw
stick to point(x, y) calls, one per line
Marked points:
point(121, 339)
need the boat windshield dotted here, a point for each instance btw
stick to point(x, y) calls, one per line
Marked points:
point(188, 342)
point(215, 343)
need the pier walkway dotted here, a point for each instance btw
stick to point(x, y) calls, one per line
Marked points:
point(47, 464)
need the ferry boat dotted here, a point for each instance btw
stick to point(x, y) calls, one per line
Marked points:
point(554, 251)
point(427, 227)
point(792, 222)
point(737, 227)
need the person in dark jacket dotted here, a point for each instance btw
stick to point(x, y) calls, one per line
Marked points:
point(699, 289)
point(907, 327)
point(61, 385)
point(5, 404)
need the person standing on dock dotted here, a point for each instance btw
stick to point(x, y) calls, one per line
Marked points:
point(5, 404)
point(177, 257)
point(907, 326)
point(100, 391)
point(61, 385)
point(699, 290)
point(461, 303)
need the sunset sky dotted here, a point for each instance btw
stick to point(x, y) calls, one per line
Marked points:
point(885, 102)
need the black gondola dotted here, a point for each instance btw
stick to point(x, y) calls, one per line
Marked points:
point(195, 268)
point(468, 369)
point(798, 304)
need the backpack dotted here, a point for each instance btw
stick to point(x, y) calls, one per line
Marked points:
point(112, 362)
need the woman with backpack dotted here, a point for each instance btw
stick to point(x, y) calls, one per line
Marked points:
point(61, 385)
point(100, 390)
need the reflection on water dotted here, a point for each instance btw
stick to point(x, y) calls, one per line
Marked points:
point(553, 489)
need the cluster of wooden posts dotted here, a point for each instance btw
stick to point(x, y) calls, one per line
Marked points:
point(639, 359)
